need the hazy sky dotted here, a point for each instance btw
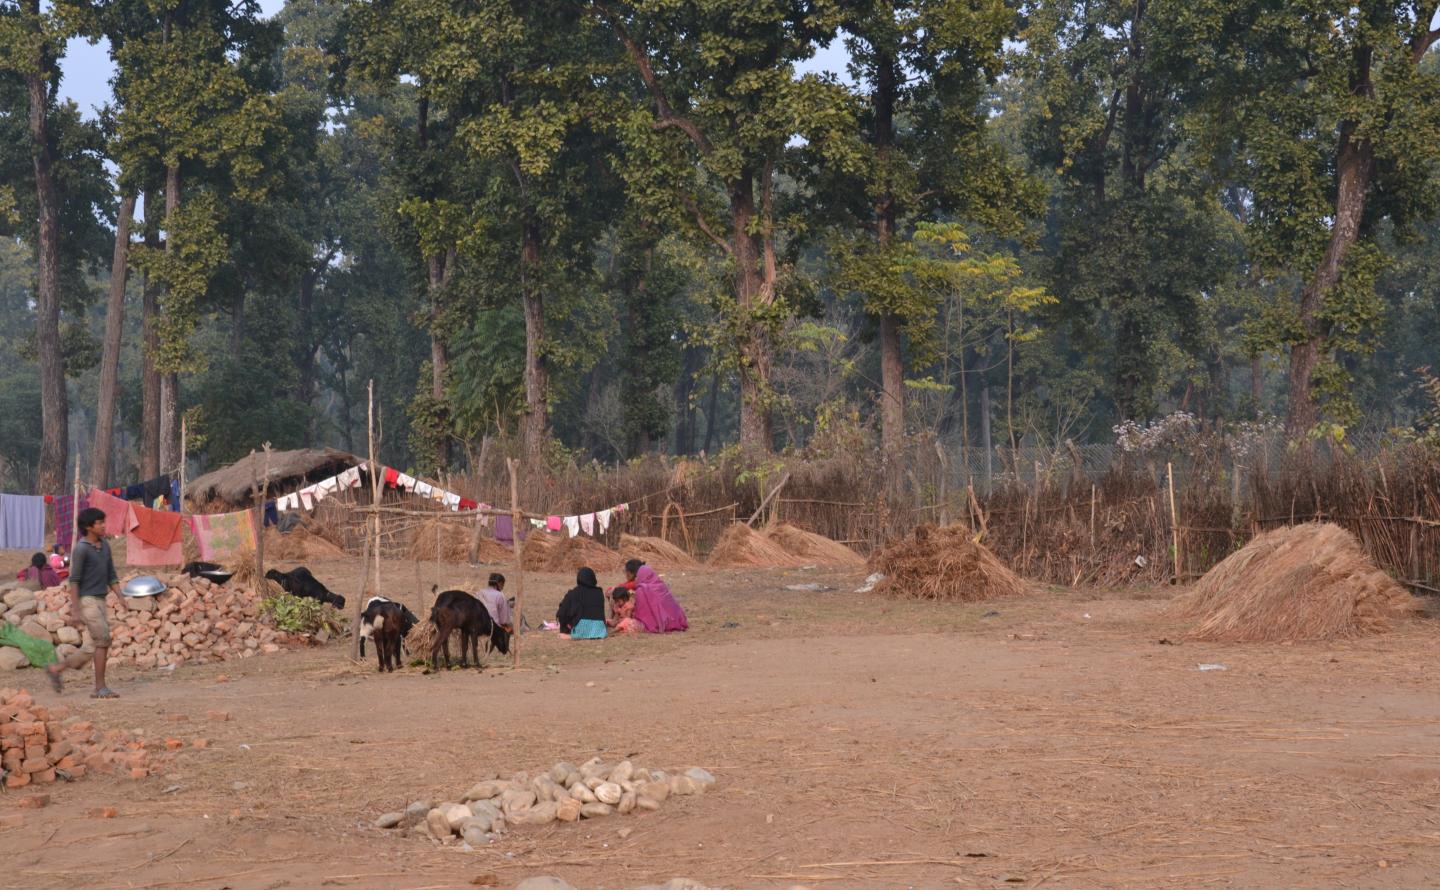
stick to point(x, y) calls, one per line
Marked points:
point(87, 68)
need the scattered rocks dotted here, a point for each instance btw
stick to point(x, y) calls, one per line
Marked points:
point(33, 802)
point(564, 793)
point(12, 659)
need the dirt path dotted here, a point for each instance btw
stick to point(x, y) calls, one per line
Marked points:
point(1033, 747)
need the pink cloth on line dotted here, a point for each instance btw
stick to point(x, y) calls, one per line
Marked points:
point(655, 605)
point(116, 510)
point(223, 535)
point(553, 523)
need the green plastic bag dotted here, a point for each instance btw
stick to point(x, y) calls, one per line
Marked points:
point(39, 652)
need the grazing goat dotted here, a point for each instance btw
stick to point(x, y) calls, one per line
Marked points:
point(299, 582)
point(456, 609)
point(385, 622)
point(407, 621)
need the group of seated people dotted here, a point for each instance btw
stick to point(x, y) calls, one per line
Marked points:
point(643, 603)
point(45, 572)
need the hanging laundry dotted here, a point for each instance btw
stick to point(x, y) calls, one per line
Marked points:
point(287, 503)
point(326, 487)
point(572, 525)
point(117, 512)
point(307, 497)
point(175, 495)
point(350, 478)
point(452, 500)
point(134, 492)
point(504, 530)
point(142, 552)
point(155, 488)
point(553, 523)
point(587, 524)
point(65, 509)
point(538, 523)
point(621, 508)
point(408, 482)
point(603, 518)
point(467, 504)
point(22, 522)
point(221, 536)
point(392, 477)
point(272, 513)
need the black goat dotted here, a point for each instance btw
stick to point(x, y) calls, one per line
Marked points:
point(456, 609)
point(385, 622)
point(299, 582)
point(407, 621)
point(194, 569)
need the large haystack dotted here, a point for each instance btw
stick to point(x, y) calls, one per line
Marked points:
point(299, 544)
point(1303, 582)
point(814, 549)
point(454, 539)
point(655, 552)
point(741, 547)
point(564, 554)
point(944, 564)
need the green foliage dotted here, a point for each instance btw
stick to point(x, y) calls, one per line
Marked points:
point(300, 615)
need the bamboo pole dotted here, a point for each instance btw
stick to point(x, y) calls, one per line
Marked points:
point(773, 492)
point(1174, 517)
point(258, 518)
point(1092, 515)
point(75, 508)
point(513, 466)
point(260, 536)
point(184, 443)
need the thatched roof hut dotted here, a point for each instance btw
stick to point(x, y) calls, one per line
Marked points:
point(288, 471)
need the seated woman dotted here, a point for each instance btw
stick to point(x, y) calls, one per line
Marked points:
point(623, 620)
point(38, 575)
point(655, 606)
point(582, 612)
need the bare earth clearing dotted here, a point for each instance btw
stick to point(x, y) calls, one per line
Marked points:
point(1032, 747)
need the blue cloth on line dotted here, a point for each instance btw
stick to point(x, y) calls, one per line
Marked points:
point(272, 515)
point(589, 629)
point(174, 495)
point(134, 493)
point(22, 522)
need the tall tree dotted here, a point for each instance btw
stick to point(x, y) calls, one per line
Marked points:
point(723, 112)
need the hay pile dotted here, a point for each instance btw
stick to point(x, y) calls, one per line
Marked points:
point(299, 544)
point(814, 549)
point(655, 552)
point(447, 541)
point(743, 547)
point(557, 553)
point(944, 564)
point(1304, 582)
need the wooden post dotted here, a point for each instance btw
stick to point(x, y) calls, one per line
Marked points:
point(180, 501)
point(513, 466)
point(944, 478)
point(769, 497)
point(258, 520)
point(1174, 518)
point(1092, 516)
point(75, 508)
point(372, 537)
point(264, 495)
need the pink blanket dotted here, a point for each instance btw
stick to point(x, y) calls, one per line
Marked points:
point(655, 605)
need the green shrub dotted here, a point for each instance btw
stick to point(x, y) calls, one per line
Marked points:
point(294, 614)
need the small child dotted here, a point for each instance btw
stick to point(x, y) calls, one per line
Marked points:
point(623, 612)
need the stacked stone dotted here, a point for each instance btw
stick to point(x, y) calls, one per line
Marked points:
point(565, 793)
point(39, 745)
point(194, 620)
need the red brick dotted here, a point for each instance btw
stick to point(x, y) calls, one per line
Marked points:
point(45, 775)
point(17, 780)
point(138, 772)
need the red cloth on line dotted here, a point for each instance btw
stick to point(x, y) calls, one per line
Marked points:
point(140, 552)
point(392, 477)
point(158, 528)
point(467, 504)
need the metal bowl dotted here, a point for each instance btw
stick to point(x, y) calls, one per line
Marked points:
point(144, 585)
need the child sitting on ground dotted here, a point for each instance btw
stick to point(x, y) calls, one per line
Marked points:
point(623, 612)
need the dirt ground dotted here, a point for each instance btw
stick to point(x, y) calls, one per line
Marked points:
point(1052, 741)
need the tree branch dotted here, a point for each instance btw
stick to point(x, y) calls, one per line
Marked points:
point(704, 226)
point(663, 109)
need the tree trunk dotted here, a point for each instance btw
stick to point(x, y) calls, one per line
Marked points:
point(1257, 384)
point(305, 363)
point(170, 380)
point(1355, 161)
point(440, 267)
point(710, 412)
point(754, 290)
point(536, 425)
point(986, 441)
point(54, 404)
point(101, 456)
point(892, 367)
point(150, 375)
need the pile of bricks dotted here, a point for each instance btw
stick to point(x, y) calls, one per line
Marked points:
point(39, 745)
point(193, 621)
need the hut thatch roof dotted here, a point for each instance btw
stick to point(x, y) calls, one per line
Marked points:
point(288, 471)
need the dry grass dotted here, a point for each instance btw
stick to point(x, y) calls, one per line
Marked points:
point(299, 544)
point(813, 548)
point(656, 552)
point(1303, 582)
point(741, 547)
point(944, 564)
point(442, 540)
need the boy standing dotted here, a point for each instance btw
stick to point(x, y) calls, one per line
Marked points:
point(92, 576)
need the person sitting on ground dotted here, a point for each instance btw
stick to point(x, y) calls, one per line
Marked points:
point(495, 602)
point(38, 575)
point(582, 612)
point(58, 559)
point(655, 606)
point(92, 576)
point(623, 612)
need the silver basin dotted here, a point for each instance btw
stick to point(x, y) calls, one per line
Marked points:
point(144, 585)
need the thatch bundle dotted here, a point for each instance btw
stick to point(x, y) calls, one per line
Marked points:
point(421, 639)
point(944, 564)
point(743, 547)
point(1302, 582)
point(280, 472)
point(655, 552)
point(814, 549)
point(444, 540)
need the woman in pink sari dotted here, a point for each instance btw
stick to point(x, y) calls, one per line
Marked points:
point(655, 606)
